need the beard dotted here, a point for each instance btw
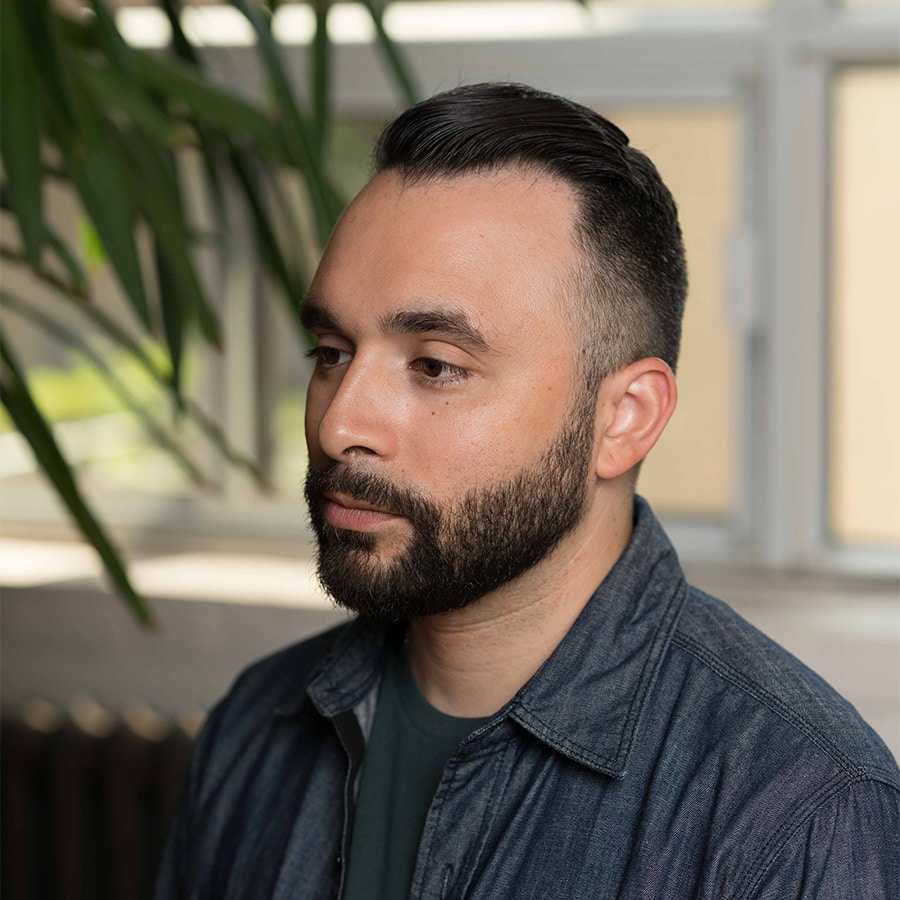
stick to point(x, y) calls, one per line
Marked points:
point(455, 556)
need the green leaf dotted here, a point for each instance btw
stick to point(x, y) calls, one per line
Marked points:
point(173, 313)
point(292, 285)
point(50, 239)
point(70, 339)
point(105, 323)
point(183, 48)
point(214, 156)
point(20, 130)
point(297, 135)
point(92, 162)
point(114, 94)
point(319, 77)
point(120, 337)
point(111, 44)
point(41, 27)
point(399, 67)
point(91, 246)
point(151, 180)
point(212, 149)
point(198, 98)
point(34, 428)
point(67, 258)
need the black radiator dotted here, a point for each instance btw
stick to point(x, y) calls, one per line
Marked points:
point(87, 799)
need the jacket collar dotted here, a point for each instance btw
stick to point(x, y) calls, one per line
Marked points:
point(587, 700)
point(347, 674)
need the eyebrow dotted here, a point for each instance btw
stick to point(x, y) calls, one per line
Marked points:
point(452, 324)
point(314, 313)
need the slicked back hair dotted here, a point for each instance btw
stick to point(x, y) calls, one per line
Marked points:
point(628, 298)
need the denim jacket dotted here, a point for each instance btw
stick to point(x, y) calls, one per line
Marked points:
point(665, 750)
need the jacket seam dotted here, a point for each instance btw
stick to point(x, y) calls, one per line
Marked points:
point(755, 690)
point(442, 795)
point(766, 857)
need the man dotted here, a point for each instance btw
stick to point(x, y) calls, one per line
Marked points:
point(531, 702)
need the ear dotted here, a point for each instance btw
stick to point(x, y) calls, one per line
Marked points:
point(634, 405)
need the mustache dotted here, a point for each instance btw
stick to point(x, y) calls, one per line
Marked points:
point(366, 486)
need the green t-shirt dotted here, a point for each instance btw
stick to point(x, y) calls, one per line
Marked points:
point(405, 756)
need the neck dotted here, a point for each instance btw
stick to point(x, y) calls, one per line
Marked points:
point(471, 662)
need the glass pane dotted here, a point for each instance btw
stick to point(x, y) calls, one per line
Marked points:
point(692, 471)
point(110, 445)
point(869, 2)
point(865, 307)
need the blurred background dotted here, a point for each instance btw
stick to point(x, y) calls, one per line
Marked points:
point(170, 173)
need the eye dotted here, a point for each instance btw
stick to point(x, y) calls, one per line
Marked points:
point(436, 371)
point(328, 357)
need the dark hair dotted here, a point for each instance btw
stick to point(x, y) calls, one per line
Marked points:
point(630, 294)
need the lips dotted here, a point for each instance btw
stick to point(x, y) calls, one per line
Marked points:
point(343, 511)
point(352, 503)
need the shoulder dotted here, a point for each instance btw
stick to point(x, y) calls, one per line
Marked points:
point(793, 782)
point(261, 691)
point(744, 660)
point(248, 769)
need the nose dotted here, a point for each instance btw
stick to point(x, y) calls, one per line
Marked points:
point(352, 416)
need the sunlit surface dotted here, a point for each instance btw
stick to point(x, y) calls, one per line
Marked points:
point(218, 577)
point(692, 471)
point(29, 563)
point(442, 20)
point(890, 4)
point(865, 310)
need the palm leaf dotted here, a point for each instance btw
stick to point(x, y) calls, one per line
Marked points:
point(398, 66)
point(113, 93)
point(111, 329)
point(49, 239)
point(152, 182)
point(20, 130)
point(114, 116)
point(253, 191)
point(92, 161)
point(298, 135)
point(73, 341)
point(65, 256)
point(319, 77)
point(193, 97)
point(31, 424)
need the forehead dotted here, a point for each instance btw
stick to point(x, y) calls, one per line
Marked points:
point(498, 246)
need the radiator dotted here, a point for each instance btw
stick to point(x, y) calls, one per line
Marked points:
point(87, 798)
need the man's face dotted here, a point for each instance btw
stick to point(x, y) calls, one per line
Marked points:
point(449, 441)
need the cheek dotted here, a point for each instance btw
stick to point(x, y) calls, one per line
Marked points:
point(456, 449)
point(312, 416)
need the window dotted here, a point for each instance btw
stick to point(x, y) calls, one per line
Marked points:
point(693, 470)
point(864, 432)
point(771, 122)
